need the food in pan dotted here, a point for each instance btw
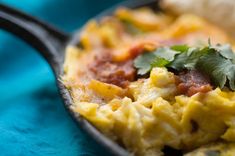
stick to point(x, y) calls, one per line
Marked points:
point(154, 82)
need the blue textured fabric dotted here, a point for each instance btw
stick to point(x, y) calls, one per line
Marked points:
point(33, 120)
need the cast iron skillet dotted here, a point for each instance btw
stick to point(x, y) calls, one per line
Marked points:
point(51, 45)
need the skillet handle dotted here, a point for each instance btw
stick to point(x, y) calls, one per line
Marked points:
point(46, 39)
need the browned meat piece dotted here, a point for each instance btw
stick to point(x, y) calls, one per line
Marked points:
point(192, 82)
point(106, 70)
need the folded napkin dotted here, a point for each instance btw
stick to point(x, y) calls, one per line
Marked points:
point(33, 120)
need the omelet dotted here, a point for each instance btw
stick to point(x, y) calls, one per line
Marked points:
point(150, 112)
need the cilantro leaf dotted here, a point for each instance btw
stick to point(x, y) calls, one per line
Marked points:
point(166, 53)
point(159, 58)
point(219, 69)
point(159, 62)
point(181, 48)
point(187, 60)
point(218, 62)
point(225, 51)
point(231, 77)
point(143, 62)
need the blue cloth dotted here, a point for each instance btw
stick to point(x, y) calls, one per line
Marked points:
point(33, 120)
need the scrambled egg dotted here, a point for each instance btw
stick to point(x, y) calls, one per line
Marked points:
point(149, 114)
point(157, 117)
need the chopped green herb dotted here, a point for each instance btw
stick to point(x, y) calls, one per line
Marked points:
point(226, 51)
point(181, 48)
point(143, 63)
point(159, 58)
point(219, 69)
point(187, 60)
point(159, 62)
point(209, 42)
point(218, 62)
point(166, 53)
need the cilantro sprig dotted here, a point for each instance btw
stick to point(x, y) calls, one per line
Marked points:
point(218, 62)
point(159, 58)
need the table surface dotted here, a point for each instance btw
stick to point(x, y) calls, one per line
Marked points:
point(33, 120)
